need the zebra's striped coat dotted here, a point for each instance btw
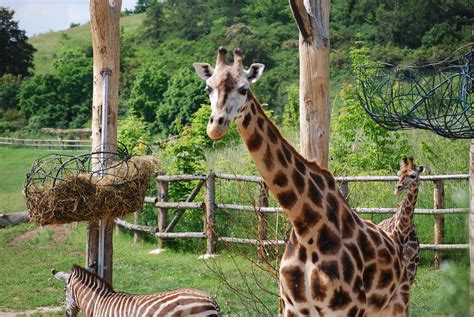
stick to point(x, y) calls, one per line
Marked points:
point(95, 297)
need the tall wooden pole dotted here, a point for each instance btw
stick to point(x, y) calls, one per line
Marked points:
point(105, 18)
point(471, 223)
point(312, 19)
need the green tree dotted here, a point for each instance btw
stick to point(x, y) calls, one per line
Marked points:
point(61, 98)
point(147, 91)
point(16, 54)
point(184, 96)
point(9, 88)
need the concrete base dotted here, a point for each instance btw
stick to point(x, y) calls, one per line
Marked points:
point(157, 251)
point(207, 256)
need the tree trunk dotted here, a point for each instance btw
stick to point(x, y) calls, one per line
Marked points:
point(312, 18)
point(105, 18)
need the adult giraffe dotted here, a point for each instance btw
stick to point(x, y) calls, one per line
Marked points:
point(335, 263)
point(409, 179)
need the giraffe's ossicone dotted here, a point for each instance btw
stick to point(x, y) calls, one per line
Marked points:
point(335, 263)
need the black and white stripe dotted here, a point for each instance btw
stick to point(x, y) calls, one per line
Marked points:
point(95, 297)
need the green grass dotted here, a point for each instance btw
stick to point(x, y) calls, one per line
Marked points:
point(25, 267)
point(14, 164)
point(48, 44)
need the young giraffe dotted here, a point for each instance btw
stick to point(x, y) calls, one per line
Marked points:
point(335, 263)
point(409, 178)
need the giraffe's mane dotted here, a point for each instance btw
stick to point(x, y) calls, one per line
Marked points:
point(312, 164)
point(78, 269)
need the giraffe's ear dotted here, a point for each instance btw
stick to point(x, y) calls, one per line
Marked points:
point(421, 169)
point(254, 72)
point(204, 70)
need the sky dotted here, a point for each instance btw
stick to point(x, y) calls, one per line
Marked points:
point(40, 16)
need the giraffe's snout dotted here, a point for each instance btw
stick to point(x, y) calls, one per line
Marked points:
point(398, 189)
point(217, 127)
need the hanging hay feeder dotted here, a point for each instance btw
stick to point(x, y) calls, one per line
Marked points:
point(437, 97)
point(61, 188)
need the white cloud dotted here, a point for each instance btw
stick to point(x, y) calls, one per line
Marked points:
point(39, 16)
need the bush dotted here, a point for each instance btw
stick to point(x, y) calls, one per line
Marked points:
point(134, 134)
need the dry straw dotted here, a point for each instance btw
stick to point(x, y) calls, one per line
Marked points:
point(80, 195)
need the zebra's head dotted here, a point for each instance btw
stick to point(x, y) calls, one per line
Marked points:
point(72, 307)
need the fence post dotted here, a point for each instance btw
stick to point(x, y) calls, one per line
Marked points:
point(438, 198)
point(262, 221)
point(162, 196)
point(209, 217)
point(136, 220)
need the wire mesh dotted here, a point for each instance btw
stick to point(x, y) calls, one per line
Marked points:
point(437, 97)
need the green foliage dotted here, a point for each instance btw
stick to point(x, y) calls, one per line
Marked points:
point(184, 96)
point(9, 88)
point(147, 91)
point(291, 113)
point(62, 97)
point(359, 144)
point(16, 54)
point(133, 132)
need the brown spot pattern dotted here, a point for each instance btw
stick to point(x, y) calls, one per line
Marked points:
point(272, 135)
point(328, 241)
point(299, 181)
point(280, 179)
point(260, 123)
point(281, 158)
point(339, 300)
point(294, 278)
point(268, 159)
point(330, 268)
point(246, 121)
point(287, 198)
point(368, 276)
point(254, 142)
point(318, 288)
point(315, 195)
point(304, 222)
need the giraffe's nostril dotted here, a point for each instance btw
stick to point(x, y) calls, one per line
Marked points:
point(220, 121)
point(211, 119)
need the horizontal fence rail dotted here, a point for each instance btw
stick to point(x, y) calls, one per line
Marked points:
point(209, 206)
point(48, 143)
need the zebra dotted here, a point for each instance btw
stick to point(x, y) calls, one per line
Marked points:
point(93, 295)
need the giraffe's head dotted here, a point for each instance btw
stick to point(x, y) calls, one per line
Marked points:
point(409, 175)
point(227, 86)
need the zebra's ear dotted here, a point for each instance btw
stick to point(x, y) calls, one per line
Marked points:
point(91, 268)
point(61, 275)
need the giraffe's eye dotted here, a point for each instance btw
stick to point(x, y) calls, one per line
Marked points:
point(208, 89)
point(243, 90)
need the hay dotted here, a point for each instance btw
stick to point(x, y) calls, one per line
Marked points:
point(86, 197)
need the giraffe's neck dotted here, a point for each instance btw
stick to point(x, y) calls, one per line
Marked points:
point(302, 188)
point(405, 214)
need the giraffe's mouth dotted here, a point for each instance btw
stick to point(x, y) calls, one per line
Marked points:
point(217, 131)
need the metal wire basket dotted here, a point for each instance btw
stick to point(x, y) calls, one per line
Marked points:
point(64, 188)
point(437, 97)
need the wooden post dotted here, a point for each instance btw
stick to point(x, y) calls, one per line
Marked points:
point(162, 196)
point(105, 18)
point(136, 220)
point(262, 221)
point(209, 217)
point(312, 19)
point(471, 225)
point(438, 198)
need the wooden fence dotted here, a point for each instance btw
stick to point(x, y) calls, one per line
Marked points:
point(49, 143)
point(209, 206)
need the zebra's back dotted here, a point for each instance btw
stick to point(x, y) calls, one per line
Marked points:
point(181, 302)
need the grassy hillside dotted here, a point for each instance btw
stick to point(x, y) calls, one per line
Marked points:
point(48, 44)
